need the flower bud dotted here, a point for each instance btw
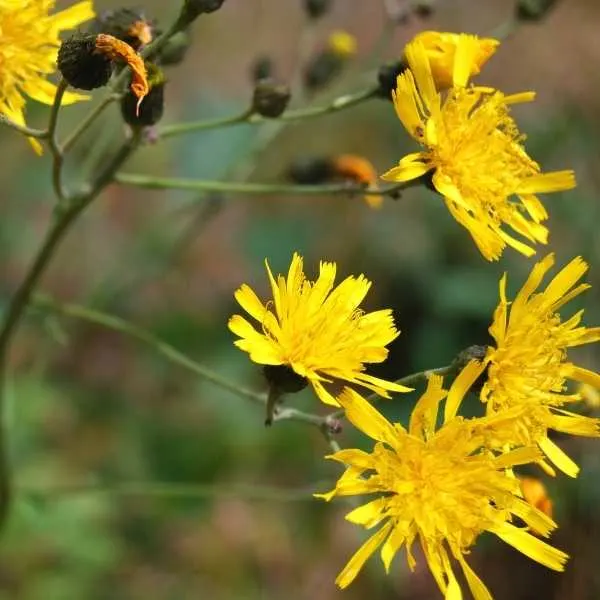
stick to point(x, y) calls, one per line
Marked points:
point(262, 68)
point(533, 10)
point(387, 77)
point(270, 99)
point(328, 64)
point(192, 9)
point(311, 170)
point(127, 25)
point(315, 9)
point(81, 65)
point(151, 109)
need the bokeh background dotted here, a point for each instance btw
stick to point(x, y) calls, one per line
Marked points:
point(137, 480)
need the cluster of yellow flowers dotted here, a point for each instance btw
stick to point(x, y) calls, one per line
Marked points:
point(444, 484)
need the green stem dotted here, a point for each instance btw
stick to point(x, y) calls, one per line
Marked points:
point(63, 219)
point(39, 134)
point(177, 491)
point(55, 148)
point(505, 30)
point(339, 103)
point(88, 120)
point(144, 336)
point(219, 122)
point(200, 185)
point(173, 355)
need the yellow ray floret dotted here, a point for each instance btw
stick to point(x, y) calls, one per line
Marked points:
point(441, 50)
point(528, 365)
point(30, 42)
point(317, 329)
point(438, 487)
point(474, 151)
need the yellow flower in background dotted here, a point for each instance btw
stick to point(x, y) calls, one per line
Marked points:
point(441, 52)
point(440, 488)
point(359, 169)
point(475, 151)
point(28, 48)
point(317, 329)
point(528, 366)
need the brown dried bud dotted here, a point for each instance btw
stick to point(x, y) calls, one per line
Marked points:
point(126, 24)
point(151, 110)
point(270, 99)
point(81, 65)
point(317, 8)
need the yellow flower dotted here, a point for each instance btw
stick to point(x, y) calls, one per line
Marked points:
point(30, 42)
point(342, 44)
point(317, 330)
point(528, 365)
point(474, 149)
point(441, 51)
point(437, 487)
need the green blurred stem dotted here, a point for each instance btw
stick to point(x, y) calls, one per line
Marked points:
point(64, 217)
point(201, 185)
point(505, 30)
point(55, 148)
point(144, 336)
point(88, 120)
point(173, 355)
point(176, 491)
point(339, 103)
point(39, 134)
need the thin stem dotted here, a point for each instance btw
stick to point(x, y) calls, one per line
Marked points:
point(144, 336)
point(63, 219)
point(177, 491)
point(337, 104)
point(505, 30)
point(173, 355)
point(88, 120)
point(164, 183)
point(55, 148)
point(39, 134)
point(217, 123)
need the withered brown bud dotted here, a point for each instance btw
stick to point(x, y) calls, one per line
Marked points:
point(311, 170)
point(80, 63)
point(317, 8)
point(150, 111)
point(533, 10)
point(126, 24)
point(270, 99)
point(387, 77)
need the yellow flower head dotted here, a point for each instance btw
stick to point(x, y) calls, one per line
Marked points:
point(441, 51)
point(474, 149)
point(317, 330)
point(528, 365)
point(439, 487)
point(30, 42)
point(342, 44)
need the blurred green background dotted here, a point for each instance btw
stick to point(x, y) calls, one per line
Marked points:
point(137, 480)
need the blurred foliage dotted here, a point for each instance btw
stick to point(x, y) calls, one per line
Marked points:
point(92, 413)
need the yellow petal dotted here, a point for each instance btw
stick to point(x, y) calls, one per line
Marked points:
point(73, 16)
point(424, 416)
point(477, 587)
point(249, 301)
point(532, 547)
point(460, 387)
point(355, 564)
point(369, 514)
point(366, 418)
point(558, 457)
point(391, 547)
point(556, 181)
